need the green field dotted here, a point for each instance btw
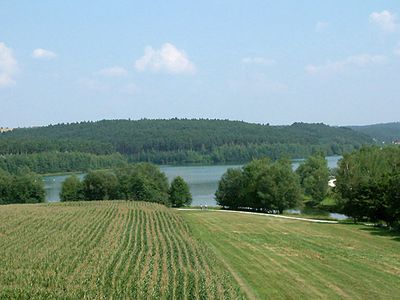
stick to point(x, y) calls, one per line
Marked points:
point(286, 259)
point(105, 250)
point(119, 250)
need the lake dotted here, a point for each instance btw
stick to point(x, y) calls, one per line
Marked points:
point(202, 180)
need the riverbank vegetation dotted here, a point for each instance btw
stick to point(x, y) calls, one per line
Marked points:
point(368, 185)
point(56, 162)
point(261, 185)
point(139, 182)
point(23, 188)
point(66, 147)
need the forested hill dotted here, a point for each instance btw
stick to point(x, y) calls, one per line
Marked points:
point(387, 132)
point(182, 140)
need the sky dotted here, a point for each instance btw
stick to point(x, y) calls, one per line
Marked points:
point(277, 62)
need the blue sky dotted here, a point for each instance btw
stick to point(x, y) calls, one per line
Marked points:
point(274, 62)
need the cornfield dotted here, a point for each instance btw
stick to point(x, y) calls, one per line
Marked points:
point(107, 249)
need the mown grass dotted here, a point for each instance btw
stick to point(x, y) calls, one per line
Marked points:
point(287, 259)
point(108, 249)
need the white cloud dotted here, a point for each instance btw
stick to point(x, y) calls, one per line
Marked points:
point(321, 26)
point(167, 59)
point(8, 66)
point(43, 54)
point(361, 60)
point(386, 20)
point(115, 71)
point(258, 61)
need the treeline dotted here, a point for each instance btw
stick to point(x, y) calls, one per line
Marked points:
point(232, 153)
point(368, 182)
point(53, 162)
point(140, 182)
point(367, 185)
point(26, 188)
point(184, 141)
point(386, 132)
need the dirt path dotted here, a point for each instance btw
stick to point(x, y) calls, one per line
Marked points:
point(265, 215)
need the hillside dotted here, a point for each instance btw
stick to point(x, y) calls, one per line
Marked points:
point(387, 132)
point(182, 140)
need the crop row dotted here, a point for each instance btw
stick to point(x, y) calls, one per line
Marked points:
point(111, 249)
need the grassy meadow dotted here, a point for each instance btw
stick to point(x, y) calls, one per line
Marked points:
point(286, 259)
point(108, 249)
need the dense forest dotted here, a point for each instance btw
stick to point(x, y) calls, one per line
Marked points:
point(387, 132)
point(54, 162)
point(175, 141)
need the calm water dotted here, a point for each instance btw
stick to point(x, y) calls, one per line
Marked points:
point(203, 180)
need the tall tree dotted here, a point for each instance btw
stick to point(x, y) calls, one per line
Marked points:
point(179, 192)
point(230, 187)
point(314, 176)
point(71, 189)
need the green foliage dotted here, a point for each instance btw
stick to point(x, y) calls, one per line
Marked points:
point(367, 182)
point(54, 162)
point(387, 132)
point(142, 181)
point(100, 185)
point(71, 189)
point(260, 185)
point(230, 187)
point(167, 142)
point(179, 193)
point(314, 176)
point(26, 188)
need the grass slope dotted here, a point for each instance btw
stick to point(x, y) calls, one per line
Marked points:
point(284, 259)
point(108, 249)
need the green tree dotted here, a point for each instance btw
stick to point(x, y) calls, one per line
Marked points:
point(100, 185)
point(179, 193)
point(260, 185)
point(144, 182)
point(279, 188)
point(367, 182)
point(314, 176)
point(27, 188)
point(229, 192)
point(5, 183)
point(71, 189)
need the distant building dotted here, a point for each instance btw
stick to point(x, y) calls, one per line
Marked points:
point(396, 142)
point(5, 129)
